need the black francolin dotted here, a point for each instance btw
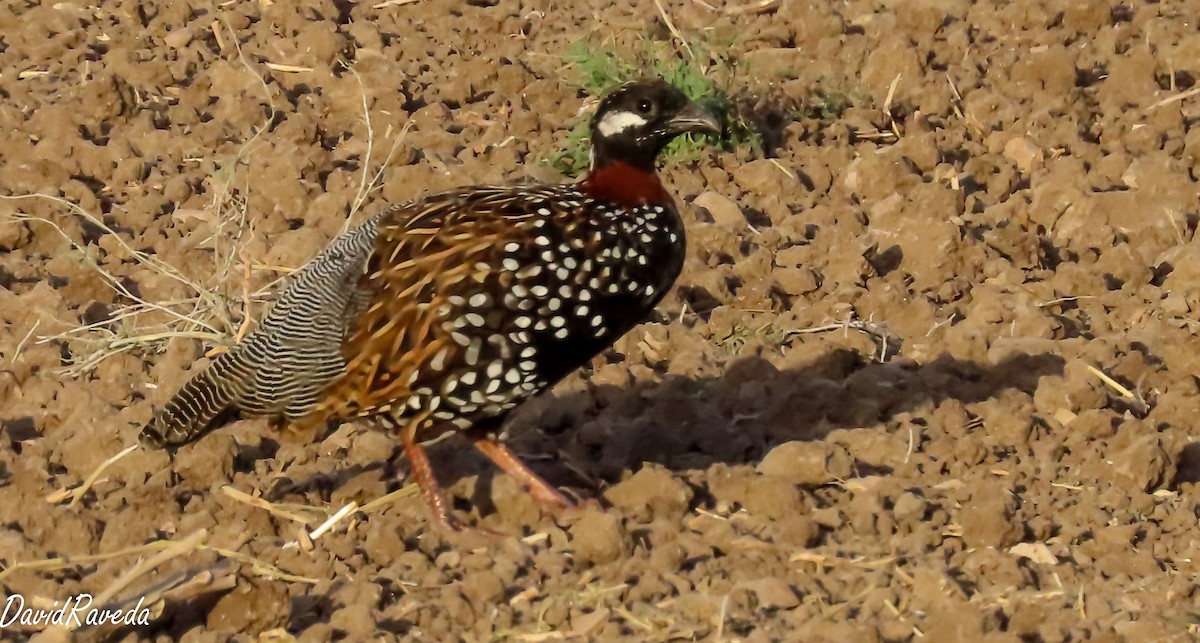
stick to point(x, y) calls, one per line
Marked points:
point(447, 312)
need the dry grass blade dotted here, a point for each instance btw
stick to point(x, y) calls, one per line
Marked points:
point(877, 135)
point(632, 619)
point(76, 493)
point(788, 173)
point(187, 324)
point(260, 503)
point(143, 258)
point(891, 95)
point(188, 584)
point(223, 197)
point(758, 6)
point(262, 568)
point(1113, 384)
point(662, 11)
point(333, 520)
point(867, 327)
point(407, 491)
point(21, 344)
point(62, 562)
point(1064, 300)
point(973, 123)
point(288, 69)
point(174, 550)
point(210, 314)
point(176, 588)
point(958, 98)
point(294, 512)
point(175, 547)
point(153, 263)
point(215, 26)
point(247, 317)
point(177, 585)
point(888, 118)
point(1175, 99)
point(369, 183)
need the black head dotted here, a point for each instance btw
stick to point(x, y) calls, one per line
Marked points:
point(636, 121)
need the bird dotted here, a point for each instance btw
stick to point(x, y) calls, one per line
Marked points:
point(446, 312)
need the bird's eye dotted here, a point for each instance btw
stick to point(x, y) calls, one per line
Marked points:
point(644, 106)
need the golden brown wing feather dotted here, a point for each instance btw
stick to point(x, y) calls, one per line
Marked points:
point(422, 253)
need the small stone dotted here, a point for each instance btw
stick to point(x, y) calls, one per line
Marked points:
point(590, 623)
point(178, 38)
point(723, 209)
point(1024, 153)
point(1141, 465)
point(448, 560)
point(1037, 552)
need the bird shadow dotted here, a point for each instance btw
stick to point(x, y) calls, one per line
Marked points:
point(590, 438)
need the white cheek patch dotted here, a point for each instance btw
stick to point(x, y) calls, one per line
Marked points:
point(619, 122)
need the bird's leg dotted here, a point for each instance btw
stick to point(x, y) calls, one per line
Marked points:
point(427, 482)
point(542, 491)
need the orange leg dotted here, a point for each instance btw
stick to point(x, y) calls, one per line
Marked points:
point(427, 482)
point(504, 458)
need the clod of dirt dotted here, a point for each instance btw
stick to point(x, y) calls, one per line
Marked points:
point(1143, 465)
point(772, 593)
point(724, 211)
point(651, 493)
point(800, 462)
point(987, 519)
point(1005, 190)
point(483, 588)
point(250, 606)
point(597, 537)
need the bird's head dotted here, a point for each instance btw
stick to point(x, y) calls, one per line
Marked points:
point(638, 119)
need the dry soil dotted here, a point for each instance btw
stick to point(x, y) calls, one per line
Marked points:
point(872, 409)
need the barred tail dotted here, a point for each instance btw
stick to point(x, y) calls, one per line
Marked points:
point(197, 406)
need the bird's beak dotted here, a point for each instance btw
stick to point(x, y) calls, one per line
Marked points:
point(692, 118)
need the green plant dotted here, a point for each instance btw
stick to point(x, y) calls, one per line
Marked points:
point(598, 71)
point(829, 100)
